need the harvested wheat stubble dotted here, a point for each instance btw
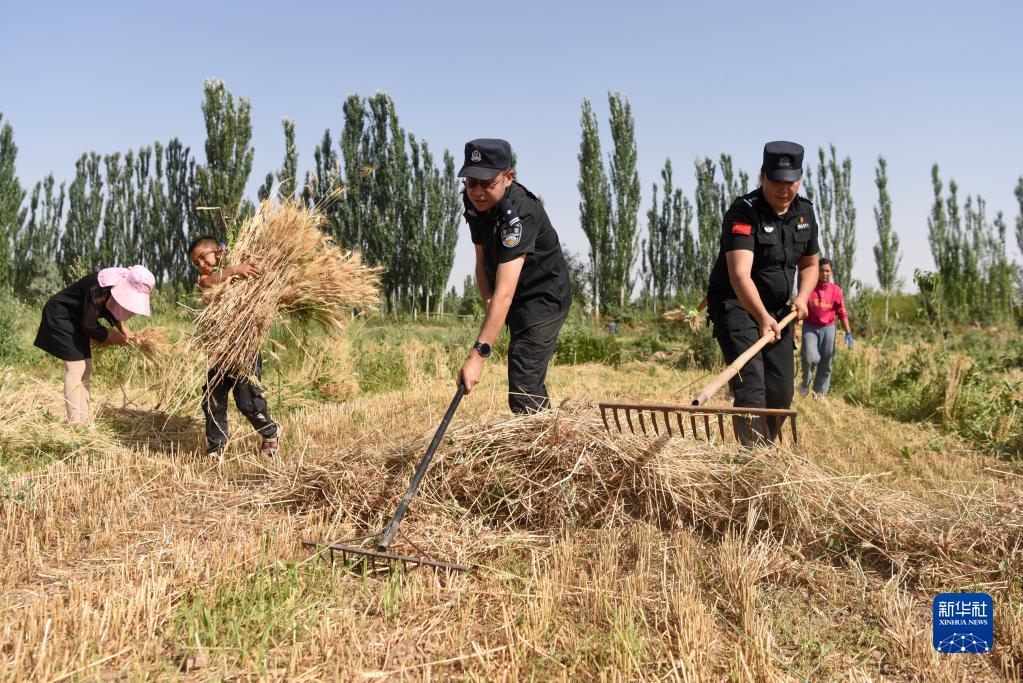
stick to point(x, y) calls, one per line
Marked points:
point(162, 432)
point(306, 279)
point(541, 473)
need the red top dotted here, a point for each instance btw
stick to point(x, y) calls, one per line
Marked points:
point(825, 303)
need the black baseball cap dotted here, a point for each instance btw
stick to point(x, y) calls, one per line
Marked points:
point(783, 161)
point(485, 158)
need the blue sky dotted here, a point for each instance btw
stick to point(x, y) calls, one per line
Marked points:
point(919, 82)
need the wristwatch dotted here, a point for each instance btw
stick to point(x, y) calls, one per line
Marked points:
point(482, 348)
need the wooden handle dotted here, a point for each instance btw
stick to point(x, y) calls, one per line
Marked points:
point(733, 369)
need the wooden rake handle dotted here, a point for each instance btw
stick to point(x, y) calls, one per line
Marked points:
point(732, 370)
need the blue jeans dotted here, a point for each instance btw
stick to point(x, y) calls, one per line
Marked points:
point(817, 353)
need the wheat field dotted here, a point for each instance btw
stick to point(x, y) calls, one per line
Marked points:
point(125, 553)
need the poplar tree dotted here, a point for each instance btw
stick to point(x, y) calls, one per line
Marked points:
point(386, 196)
point(35, 272)
point(221, 180)
point(179, 215)
point(594, 201)
point(357, 174)
point(12, 195)
point(663, 248)
point(708, 221)
point(149, 224)
point(732, 185)
point(1019, 216)
point(836, 213)
point(687, 269)
point(287, 175)
point(1003, 272)
point(78, 245)
point(623, 235)
point(432, 217)
point(119, 205)
point(886, 252)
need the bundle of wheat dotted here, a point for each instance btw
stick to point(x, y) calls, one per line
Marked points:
point(305, 279)
point(150, 342)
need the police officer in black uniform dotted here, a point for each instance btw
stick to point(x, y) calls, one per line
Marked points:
point(520, 270)
point(768, 248)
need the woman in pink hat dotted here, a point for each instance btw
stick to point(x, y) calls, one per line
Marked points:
point(71, 318)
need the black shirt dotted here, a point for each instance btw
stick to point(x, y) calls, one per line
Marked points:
point(72, 317)
point(543, 291)
point(777, 243)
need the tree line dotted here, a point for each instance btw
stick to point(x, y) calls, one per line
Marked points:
point(974, 277)
point(382, 190)
point(386, 193)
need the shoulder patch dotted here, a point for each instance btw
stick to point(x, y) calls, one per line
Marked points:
point(511, 233)
point(741, 228)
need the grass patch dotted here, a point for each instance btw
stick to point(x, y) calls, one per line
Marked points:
point(243, 621)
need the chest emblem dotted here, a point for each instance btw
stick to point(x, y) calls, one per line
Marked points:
point(768, 229)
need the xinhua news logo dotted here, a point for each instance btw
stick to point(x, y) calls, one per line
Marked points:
point(964, 623)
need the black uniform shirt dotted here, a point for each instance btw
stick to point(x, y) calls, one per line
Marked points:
point(777, 243)
point(543, 291)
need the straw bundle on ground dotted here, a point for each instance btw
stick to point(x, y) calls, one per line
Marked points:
point(306, 279)
point(546, 472)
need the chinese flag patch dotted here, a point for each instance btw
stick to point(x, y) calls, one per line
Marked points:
point(741, 228)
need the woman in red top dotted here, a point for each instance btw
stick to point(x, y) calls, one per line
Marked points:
point(818, 350)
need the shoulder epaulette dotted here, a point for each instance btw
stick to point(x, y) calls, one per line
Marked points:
point(751, 198)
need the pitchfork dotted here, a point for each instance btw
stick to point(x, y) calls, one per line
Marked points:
point(381, 552)
point(698, 418)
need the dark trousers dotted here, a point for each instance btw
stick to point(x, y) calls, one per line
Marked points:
point(529, 353)
point(766, 381)
point(248, 398)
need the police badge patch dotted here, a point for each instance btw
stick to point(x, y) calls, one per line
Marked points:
point(511, 234)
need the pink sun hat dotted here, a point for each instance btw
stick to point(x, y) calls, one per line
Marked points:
point(130, 287)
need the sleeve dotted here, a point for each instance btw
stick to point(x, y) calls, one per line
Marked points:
point(518, 231)
point(839, 305)
point(812, 245)
point(90, 318)
point(738, 227)
point(468, 213)
point(474, 232)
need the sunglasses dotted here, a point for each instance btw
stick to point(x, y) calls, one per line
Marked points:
point(472, 183)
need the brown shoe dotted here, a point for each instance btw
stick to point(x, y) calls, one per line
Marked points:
point(269, 446)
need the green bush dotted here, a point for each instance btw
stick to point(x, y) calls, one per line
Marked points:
point(18, 324)
point(579, 344)
point(685, 347)
point(958, 393)
point(380, 368)
point(698, 350)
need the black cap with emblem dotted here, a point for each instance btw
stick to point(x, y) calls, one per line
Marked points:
point(783, 161)
point(485, 158)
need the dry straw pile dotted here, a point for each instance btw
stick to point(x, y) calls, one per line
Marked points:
point(306, 279)
point(556, 470)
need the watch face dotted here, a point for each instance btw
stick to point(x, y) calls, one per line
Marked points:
point(483, 348)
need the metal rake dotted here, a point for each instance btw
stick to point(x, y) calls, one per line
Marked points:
point(380, 556)
point(699, 421)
